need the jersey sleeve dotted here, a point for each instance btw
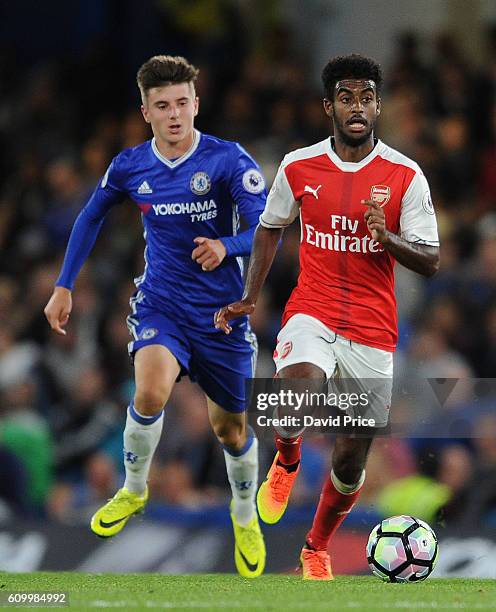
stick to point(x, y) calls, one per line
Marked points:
point(247, 189)
point(281, 208)
point(418, 218)
point(109, 192)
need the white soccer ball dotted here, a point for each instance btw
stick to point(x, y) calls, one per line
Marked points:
point(402, 549)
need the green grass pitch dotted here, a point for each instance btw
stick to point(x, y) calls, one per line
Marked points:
point(270, 592)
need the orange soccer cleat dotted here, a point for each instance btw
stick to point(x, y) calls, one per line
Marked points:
point(274, 492)
point(315, 564)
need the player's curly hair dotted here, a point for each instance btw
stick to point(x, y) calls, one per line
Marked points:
point(350, 67)
point(162, 70)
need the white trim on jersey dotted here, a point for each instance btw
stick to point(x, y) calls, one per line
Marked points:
point(131, 321)
point(417, 219)
point(251, 338)
point(345, 166)
point(183, 158)
point(281, 209)
point(140, 279)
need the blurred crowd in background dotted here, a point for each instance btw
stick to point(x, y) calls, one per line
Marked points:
point(63, 398)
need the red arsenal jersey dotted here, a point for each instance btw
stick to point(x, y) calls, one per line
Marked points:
point(346, 278)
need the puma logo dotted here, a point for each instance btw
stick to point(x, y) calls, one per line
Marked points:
point(313, 191)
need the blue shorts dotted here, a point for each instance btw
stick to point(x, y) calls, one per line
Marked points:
point(220, 363)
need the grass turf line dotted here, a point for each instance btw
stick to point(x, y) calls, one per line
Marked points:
point(270, 592)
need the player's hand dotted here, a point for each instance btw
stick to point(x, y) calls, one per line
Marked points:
point(209, 253)
point(376, 221)
point(58, 309)
point(232, 311)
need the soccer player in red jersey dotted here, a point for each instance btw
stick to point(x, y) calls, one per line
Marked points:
point(362, 206)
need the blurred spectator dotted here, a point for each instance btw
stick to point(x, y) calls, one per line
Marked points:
point(86, 423)
point(67, 195)
point(14, 484)
point(407, 63)
point(18, 360)
point(486, 175)
point(75, 503)
point(475, 500)
point(95, 157)
point(421, 494)
point(452, 80)
point(238, 118)
point(457, 163)
point(26, 434)
point(173, 484)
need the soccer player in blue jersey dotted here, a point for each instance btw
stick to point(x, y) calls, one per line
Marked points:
point(190, 188)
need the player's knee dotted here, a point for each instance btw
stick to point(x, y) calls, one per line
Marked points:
point(150, 402)
point(230, 434)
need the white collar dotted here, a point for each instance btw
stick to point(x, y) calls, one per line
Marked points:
point(352, 166)
point(184, 157)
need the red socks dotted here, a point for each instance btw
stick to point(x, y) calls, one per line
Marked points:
point(334, 504)
point(289, 449)
point(331, 512)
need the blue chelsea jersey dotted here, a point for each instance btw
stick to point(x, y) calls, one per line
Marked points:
point(202, 193)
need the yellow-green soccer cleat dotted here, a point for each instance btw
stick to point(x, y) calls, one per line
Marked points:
point(112, 517)
point(249, 548)
point(273, 494)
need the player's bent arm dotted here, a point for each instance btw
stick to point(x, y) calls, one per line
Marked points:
point(420, 258)
point(209, 253)
point(262, 255)
point(241, 244)
point(417, 256)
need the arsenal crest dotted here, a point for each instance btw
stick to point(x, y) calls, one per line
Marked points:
point(380, 194)
point(287, 347)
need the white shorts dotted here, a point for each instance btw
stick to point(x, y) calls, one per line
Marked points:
point(305, 339)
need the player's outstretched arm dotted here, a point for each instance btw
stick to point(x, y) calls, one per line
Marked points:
point(420, 258)
point(58, 309)
point(262, 256)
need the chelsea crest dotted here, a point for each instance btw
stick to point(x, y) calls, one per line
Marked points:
point(200, 183)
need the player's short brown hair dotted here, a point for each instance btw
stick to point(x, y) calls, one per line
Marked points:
point(162, 70)
point(350, 67)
